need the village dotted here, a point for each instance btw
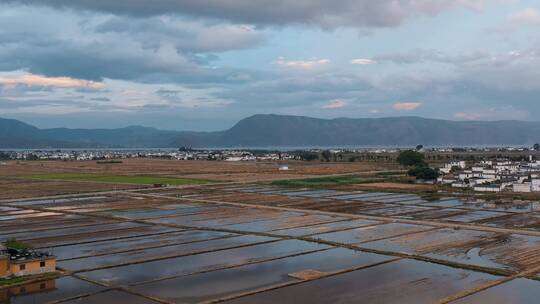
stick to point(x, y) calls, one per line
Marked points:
point(493, 175)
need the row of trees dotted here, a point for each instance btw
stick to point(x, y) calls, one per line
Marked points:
point(4, 156)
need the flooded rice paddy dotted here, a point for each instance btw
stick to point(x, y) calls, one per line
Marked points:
point(265, 244)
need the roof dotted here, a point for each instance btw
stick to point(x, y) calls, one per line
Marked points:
point(26, 255)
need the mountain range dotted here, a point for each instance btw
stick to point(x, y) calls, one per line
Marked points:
point(271, 130)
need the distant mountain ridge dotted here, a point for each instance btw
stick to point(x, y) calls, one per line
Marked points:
point(271, 130)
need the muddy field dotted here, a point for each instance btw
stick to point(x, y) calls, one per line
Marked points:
point(212, 170)
point(258, 243)
point(11, 188)
point(18, 178)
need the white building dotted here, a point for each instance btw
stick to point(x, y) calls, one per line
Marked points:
point(457, 164)
point(535, 185)
point(488, 188)
point(523, 187)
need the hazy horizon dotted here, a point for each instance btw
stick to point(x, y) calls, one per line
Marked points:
point(134, 124)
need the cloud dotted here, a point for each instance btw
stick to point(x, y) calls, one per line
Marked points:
point(503, 112)
point(185, 48)
point(120, 96)
point(32, 80)
point(289, 88)
point(362, 61)
point(529, 16)
point(95, 47)
point(335, 104)
point(168, 93)
point(431, 55)
point(186, 35)
point(468, 116)
point(406, 106)
point(310, 63)
point(321, 13)
point(100, 99)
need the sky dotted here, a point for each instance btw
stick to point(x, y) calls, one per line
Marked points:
point(205, 64)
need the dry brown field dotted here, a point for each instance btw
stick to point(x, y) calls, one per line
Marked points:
point(12, 188)
point(210, 170)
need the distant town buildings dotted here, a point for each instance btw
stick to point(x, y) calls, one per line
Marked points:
point(77, 155)
point(225, 154)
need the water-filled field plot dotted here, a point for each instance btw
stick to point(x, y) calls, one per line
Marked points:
point(262, 243)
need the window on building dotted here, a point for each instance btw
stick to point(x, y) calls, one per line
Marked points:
point(41, 264)
point(23, 289)
point(42, 286)
point(22, 267)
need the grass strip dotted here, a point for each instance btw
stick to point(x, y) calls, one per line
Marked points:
point(327, 181)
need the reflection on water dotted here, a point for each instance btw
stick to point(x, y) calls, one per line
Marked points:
point(205, 286)
point(518, 291)
point(27, 290)
point(47, 291)
point(405, 281)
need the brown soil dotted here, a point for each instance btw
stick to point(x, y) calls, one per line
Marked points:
point(212, 170)
point(24, 188)
point(309, 274)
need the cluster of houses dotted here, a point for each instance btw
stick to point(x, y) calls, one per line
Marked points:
point(493, 176)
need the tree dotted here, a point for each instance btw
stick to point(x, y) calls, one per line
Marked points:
point(419, 147)
point(411, 158)
point(309, 156)
point(536, 147)
point(4, 156)
point(326, 154)
point(424, 172)
point(418, 166)
point(455, 169)
point(12, 243)
point(32, 156)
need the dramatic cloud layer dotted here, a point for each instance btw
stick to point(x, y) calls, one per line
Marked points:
point(327, 14)
point(204, 64)
point(96, 47)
